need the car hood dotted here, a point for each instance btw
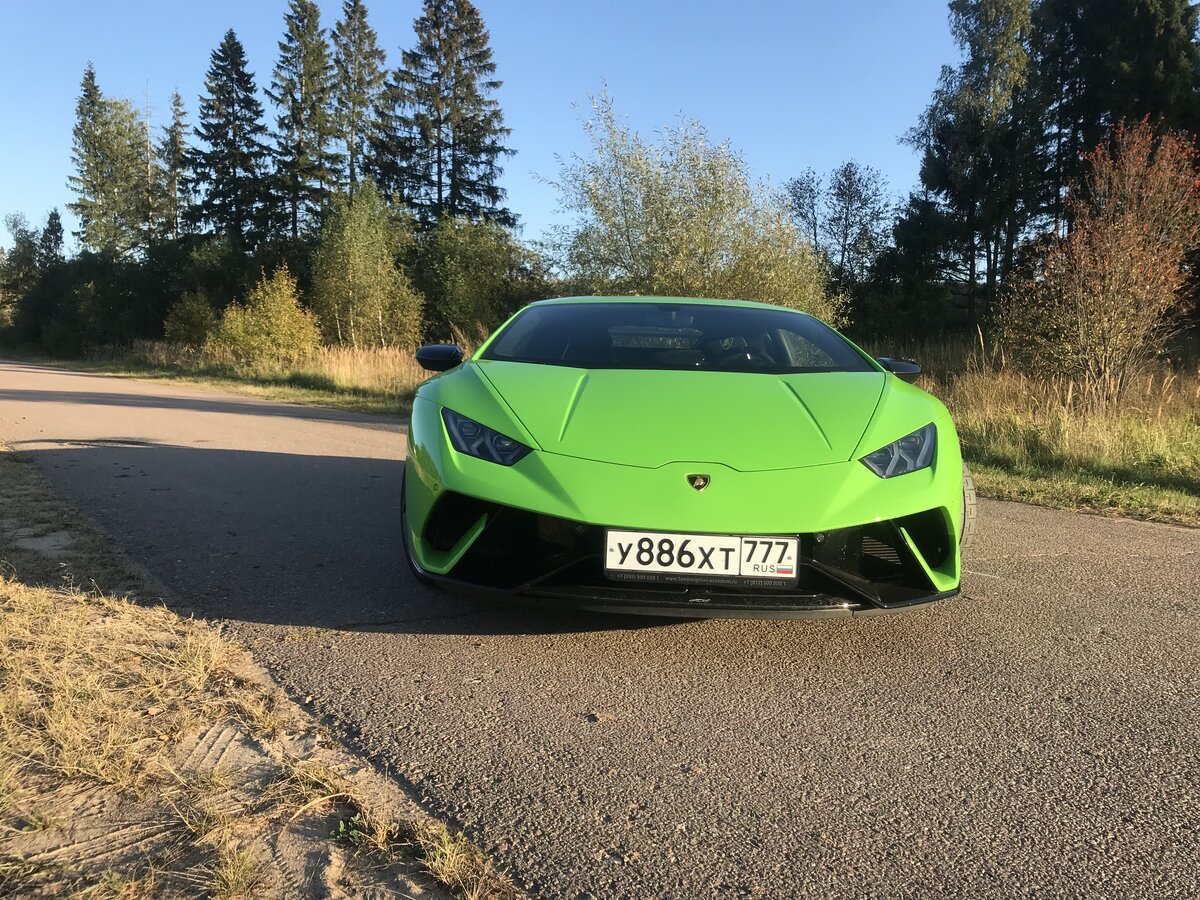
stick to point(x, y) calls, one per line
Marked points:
point(745, 420)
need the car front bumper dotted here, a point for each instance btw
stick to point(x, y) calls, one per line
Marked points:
point(535, 530)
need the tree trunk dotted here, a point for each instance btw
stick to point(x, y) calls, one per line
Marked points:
point(972, 267)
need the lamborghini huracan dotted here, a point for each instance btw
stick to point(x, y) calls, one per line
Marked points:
point(686, 458)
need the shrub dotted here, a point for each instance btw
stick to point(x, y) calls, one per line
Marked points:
point(361, 297)
point(190, 320)
point(271, 327)
point(681, 217)
point(474, 274)
point(1099, 305)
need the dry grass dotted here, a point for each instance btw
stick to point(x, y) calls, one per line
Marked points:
point(89, 689)
point(448, 856)
point(8, 784)
point(1030, 439)
point(379, 380)
point(235, 874)
point(114, 886)
point(100, 689)
point(375, 381)
point(387, 373)
point(456, 862)
point(98, 694)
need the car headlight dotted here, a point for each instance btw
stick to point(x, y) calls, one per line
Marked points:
point(473, 439)
point(910, 453)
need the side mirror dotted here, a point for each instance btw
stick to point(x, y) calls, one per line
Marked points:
point(439, 357)
point(901, 368)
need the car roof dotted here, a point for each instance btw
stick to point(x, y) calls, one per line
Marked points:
point(699, 301)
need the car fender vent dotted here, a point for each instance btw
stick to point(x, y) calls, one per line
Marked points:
point(932, 534)
point(452, 517)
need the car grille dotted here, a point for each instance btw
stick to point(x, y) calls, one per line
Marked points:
point(523, 552)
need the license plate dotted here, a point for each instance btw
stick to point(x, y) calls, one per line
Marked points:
point(659, 556)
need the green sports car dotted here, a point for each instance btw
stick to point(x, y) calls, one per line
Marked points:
point(686, 458)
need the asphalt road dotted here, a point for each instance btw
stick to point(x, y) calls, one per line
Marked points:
point(1038, 736)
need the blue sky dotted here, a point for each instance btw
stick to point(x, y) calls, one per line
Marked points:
point(790, 84)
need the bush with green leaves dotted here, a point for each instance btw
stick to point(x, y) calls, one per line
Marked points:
point(271, 328)
point(190, 320)
point(474, 275)
point(681, 217)
point(361, 298)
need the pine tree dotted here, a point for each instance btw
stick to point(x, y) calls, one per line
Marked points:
point(442, 125)
point(175, 183)
point(974, 152)
point(1099, 62)
point(151, 178)
point(87, 155)
point(229, 167)
point(109, 174)
point(302, 88)
point(359, 68)
point(50, 242)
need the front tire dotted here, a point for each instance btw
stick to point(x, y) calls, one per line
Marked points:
point(970, 510)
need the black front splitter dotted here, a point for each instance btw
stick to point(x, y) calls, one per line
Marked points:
point(581, 597)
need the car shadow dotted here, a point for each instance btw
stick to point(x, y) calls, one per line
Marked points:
point(279, 538)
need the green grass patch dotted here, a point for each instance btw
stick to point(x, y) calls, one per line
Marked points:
point(1066, 489)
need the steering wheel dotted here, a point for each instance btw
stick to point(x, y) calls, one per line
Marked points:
point(747, 358)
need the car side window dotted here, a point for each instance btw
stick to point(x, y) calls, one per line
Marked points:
point(803, 353)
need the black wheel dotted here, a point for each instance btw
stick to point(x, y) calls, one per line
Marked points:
point(970, 511)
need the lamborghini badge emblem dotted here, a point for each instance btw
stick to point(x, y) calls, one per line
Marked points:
point(699, 482)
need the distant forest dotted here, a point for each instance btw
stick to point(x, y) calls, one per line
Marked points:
point(376, 186)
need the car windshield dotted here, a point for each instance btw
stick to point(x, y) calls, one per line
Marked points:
point(674, 336)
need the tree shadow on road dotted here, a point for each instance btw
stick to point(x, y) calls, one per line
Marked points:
point(279, 538)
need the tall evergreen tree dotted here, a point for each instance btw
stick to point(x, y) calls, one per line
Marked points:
point(87, 145)
point(150, 176)
point(229, 167)
point(302, 89)
point(359, 71)
point(1102, 61)
point(50, 242)
point(970, 137)
point(445, 128)
point(107, 145)
point(175, 183)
